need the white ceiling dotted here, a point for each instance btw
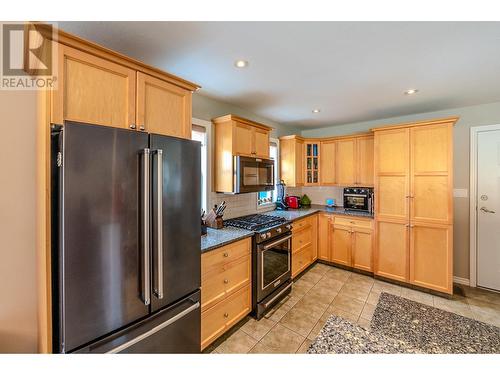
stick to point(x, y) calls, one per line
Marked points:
point(353, 71)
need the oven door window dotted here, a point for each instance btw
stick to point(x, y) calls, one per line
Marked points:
point(275, 262)
point(359, 203)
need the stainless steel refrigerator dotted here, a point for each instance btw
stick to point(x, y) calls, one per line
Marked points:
point(126, 241)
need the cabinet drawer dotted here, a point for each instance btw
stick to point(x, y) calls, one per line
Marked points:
point(301, 260)
point(302, 224)
point(216, 259)
point(218, 284)
point(353, 222)
point(219, 318)
point(301, 239)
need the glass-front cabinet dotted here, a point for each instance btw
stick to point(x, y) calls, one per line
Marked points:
point(312, 156)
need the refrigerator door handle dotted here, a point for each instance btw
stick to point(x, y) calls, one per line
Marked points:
point(155, 329)
point(146, 278)
point(159, 224)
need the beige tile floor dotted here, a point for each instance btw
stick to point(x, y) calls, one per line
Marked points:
point(324, 290)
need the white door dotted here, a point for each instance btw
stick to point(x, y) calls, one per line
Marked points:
point(488, 209)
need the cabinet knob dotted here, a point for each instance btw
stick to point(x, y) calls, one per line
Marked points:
point(226, 255)
point(226, 315)
point(226, 281)
point(142, 128)
point(132, 126)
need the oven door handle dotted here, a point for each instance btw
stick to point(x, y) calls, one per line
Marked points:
point(272, 244)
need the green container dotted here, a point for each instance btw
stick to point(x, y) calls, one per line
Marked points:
point(305, 201)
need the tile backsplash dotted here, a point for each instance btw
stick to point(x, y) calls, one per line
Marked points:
point(238, 204)
point(246, 204)
point(319, 194)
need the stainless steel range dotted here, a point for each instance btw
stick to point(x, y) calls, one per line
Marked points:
point(271, 259)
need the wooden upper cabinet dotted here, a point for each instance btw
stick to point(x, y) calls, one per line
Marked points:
point(312, 161)
point(163, 108)
point(431, 183)
point(261, 142)
point(242, 139)
point(236, 136)
point(93, 90)
point(299, 165)
point(364, 161)
point(292, 160)
point(392, 174)
point(345, 173)
point(327, 163)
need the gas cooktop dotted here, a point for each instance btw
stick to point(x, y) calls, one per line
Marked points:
point(255, 222)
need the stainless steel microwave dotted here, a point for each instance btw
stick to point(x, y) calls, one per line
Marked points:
point(253, 174)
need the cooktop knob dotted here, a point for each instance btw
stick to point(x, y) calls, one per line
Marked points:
point(268, 234)
point(263, 236)
point(288, 226)
point(278, 230)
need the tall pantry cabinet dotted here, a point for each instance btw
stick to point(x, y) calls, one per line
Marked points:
point(414, 203)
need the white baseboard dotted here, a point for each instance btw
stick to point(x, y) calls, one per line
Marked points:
point(461, 280)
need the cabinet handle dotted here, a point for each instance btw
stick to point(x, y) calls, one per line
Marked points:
point(226, 315)
point(226, 281)
point(132, 126)
point(226, 255)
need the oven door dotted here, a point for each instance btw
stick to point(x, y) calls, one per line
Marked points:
point(273, 265)
point(358, 202)
point(253, 174)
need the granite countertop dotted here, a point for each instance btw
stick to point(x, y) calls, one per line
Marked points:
point(294, 214)
point(219, 237)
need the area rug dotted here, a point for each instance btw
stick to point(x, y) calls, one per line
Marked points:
point(339, 336)
point(432, 330)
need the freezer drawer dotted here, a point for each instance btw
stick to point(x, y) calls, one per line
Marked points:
point(175, 329)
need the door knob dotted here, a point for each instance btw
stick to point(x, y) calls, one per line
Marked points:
point(484, 209)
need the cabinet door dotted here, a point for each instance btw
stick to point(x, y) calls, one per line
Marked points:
point(242, 139)
point(162, 107)
point(364, 161)
point(261, 143)
point(431, 198)
point(362, 249)
point(314, 235)
point(324, 236)
point(299, 163)
point(391, 250)
point(327, 163)
point(431, 252)
point(93, 90)
point(341, 245)
point(345, 172)
point(392, 174)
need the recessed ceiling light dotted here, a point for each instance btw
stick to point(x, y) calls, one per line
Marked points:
point(316, 110)
point(411, 91)
point(241, 63)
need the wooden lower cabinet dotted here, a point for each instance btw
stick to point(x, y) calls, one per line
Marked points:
point(431, 263)
point(341, 245)
point(324, 222)
point(346, 241)
point(362, 249)
point(301, 260)
point(304, 244)
point(391, 250)
point(219, 318)
point(226, 289)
